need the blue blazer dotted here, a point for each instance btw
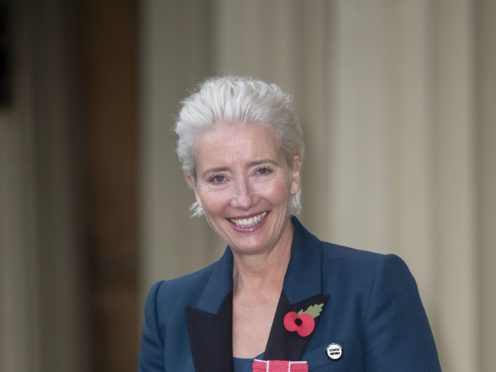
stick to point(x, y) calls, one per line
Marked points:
point(372, 309)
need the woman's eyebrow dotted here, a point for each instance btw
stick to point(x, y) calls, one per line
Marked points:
point(214, 170)
point(251, 164)
point(263, 161)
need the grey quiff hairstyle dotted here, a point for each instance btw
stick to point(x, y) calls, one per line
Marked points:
point(238, 100)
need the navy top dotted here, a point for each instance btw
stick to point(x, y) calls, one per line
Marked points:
point(243, 364)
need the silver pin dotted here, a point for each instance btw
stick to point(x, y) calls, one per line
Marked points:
point(334, 351)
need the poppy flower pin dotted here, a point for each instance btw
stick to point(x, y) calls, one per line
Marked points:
point(303, 321)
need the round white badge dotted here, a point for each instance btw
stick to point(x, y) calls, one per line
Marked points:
point(334, 351)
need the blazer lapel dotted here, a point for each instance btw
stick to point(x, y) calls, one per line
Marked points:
point(302, 288)
point(285, 345)
point(210, 323)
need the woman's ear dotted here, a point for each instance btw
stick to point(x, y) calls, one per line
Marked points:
point(296, 174)
point(191, 180)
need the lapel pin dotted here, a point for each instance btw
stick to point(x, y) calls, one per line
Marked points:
point(334, 351)
point(303, 321)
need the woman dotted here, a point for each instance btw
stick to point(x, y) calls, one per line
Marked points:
point(278, 294)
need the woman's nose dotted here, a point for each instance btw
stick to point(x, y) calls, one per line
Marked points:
point(243, 197)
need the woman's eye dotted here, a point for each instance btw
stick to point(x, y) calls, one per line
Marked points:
point(218, 178)
point(263, 171)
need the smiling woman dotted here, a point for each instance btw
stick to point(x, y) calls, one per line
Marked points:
point(279, 297)
point(243, 184)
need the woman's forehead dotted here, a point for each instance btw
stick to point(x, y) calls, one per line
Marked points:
point(228, 143)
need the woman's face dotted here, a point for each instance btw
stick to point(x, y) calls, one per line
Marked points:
point(244, 185)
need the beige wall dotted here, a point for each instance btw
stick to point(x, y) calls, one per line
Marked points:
point(485, 96)
point(395, 101)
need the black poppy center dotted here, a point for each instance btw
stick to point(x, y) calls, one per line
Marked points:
point(298, 321)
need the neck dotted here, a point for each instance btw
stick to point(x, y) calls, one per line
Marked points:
point(264, 272)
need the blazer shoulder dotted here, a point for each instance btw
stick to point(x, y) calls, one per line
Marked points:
point(363, 266)
point(183, 289)
point(332, 251)
point(338, 261)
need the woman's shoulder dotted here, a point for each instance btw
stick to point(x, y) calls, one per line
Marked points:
point(345, 261)
point(337, 252)
point(355, 255)
point(183, 288)
point(358, 263)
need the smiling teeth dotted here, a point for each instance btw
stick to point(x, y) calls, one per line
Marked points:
point(249, 222)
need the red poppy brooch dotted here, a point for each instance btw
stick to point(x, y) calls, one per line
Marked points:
point(303, 321)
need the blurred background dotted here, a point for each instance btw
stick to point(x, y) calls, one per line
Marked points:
point(398, 104)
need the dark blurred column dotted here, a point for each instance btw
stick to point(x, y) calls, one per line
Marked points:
point(41, 315)
point(6, 47)
point(108, 31)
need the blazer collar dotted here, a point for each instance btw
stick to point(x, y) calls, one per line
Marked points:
point(304, 275)
point(218, 286)
point(210, 323)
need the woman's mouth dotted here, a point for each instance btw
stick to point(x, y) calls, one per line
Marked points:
point(248, 222)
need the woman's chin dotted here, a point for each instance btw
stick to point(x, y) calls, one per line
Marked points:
point(249, 249)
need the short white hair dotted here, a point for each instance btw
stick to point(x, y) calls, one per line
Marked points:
point(238, 100)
